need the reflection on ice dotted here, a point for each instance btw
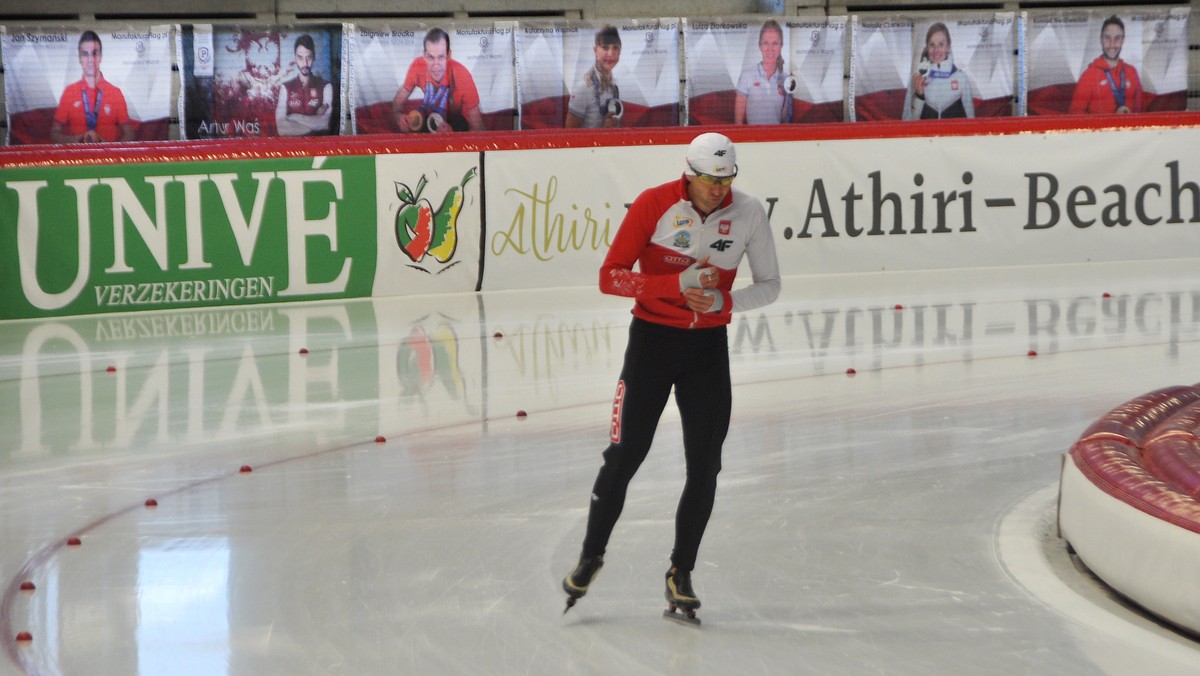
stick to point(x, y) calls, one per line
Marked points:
point(183, 591)
point(191, 376)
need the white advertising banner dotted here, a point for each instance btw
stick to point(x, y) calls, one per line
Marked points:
point(869, 205)
point(552, 214)
point(907, 204)
point(429, 222)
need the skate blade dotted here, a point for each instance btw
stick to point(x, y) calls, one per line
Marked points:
point(681, 618)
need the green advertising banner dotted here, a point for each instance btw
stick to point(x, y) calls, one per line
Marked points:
point(90, 239)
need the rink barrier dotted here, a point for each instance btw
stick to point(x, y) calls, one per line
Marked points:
point(1129, 505)
point(534, 139)
point(180, 225)
point(142, 152)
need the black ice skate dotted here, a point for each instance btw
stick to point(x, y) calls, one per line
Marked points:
point(576, 584)
point(682, 602)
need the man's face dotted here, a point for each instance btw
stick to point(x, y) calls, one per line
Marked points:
point(1111, 41)
point(304, 60)
point(89, 58)
point(707, 193)
point(436, 57)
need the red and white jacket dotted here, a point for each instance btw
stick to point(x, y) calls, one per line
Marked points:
point(664, 234)
point(1094, 91)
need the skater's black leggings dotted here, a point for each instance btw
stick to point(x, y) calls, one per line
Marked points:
point(696, 363)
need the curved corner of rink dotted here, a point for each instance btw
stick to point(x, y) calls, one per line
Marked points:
point(1147, 559)
point(1030, 550)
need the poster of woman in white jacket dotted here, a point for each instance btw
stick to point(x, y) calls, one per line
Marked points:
point(938, 89)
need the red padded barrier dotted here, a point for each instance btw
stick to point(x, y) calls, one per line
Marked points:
point(1146, 453)
point(1151, 562)
point(1134, 421)
point(1174, 460)
point(160, 151)
point(1185, 422)
point(1107, 463)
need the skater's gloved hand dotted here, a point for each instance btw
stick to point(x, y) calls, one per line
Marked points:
point(704, 300)
point(718, 300)
point(699, 275)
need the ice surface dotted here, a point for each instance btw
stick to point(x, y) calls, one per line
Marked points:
point(899, 521)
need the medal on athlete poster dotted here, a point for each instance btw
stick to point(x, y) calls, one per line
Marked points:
point(91, 114)
point(786, 88)
point(615, 108)
point(1118, 90)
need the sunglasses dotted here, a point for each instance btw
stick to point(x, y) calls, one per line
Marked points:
point(722, 181)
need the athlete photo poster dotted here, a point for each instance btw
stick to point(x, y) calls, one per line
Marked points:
point(1070, 56)
point(261, 81)
point(818, 62)
point(928, 66)
point(598, 74)
point(81, 84)
point(541, 86)
point(432, 77)
point(764, 70)
point(880, 64)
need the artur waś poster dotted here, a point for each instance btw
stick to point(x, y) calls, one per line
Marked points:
point(261, 81)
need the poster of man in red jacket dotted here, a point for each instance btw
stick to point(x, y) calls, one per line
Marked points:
point(1141, 68)
point(1109, 85)
point(66, 85)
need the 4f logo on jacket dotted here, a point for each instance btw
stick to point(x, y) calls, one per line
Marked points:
point(721, 244)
